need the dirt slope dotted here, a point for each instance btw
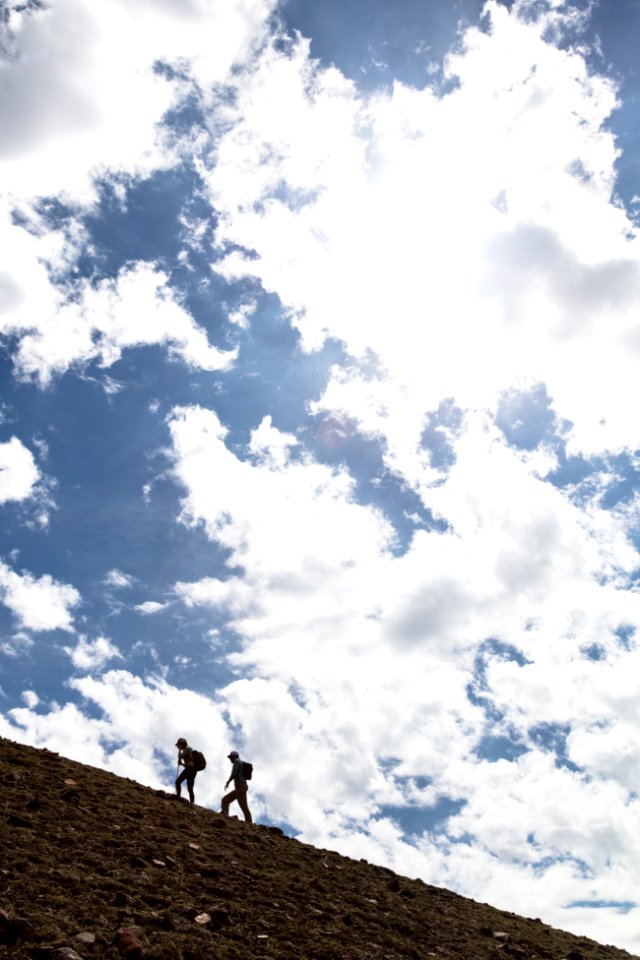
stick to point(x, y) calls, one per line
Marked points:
point(85, 854)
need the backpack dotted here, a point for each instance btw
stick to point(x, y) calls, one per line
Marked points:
point(247, 769)
point(198, 758)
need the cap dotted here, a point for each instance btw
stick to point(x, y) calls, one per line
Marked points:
point(233, 755)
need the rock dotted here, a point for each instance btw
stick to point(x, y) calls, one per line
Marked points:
point(127, 943)
point(203, 918)
point(500, 935)
point(64, 953)
point(219, 824)
point(88, 939)
point(276, 831)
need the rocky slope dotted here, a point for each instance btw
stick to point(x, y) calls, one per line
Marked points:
point(94, 865)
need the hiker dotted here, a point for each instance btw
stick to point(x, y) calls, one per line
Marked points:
point(240, 789)
point(185, 759)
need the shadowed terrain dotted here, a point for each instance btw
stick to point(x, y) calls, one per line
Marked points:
point(95, 865)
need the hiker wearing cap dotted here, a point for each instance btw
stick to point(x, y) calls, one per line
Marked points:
point(185, 759)
point(240, 788)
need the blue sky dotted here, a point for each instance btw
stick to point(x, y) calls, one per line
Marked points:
point(318, 433)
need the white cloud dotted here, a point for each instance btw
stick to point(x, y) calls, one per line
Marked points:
point(19, 642)
point(136, 309)
point(18, 471)
point(31, 698)
point(70, 116)
point(150, 607)
point(116, 578)
point(92, 654)
point(399, 248)
point(39, 603)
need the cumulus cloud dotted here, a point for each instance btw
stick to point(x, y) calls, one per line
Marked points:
point(69, 116)
point(38, 603)
point(90, 655)
point(399, 241)
point(18, 471)
point(136, 309)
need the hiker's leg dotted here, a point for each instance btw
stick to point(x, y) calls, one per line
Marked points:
point(244, 806)
point(191, 776)
point(226, 800)
point(179, 780)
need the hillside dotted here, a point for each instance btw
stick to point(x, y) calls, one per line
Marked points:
point(85, 854)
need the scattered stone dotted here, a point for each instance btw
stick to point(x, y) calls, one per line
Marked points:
point(203, 918)
point(64, 953)
point(170, 862)
point(219, 824)
point(158, 863)
point(71, 783)
point(500, 935)
point(88, 939)
point(127, 943)
point(194, 846)
point(276, 831)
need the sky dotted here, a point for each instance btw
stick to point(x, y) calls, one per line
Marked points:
point(319, 435)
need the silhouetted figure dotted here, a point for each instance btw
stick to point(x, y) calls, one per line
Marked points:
point(185, 759)
point(240, 788)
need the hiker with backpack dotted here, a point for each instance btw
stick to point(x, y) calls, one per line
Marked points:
point(192, 761)
point(240, 772)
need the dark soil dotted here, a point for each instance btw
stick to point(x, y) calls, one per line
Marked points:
point(85, 854)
